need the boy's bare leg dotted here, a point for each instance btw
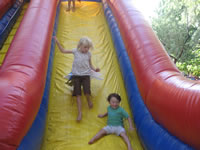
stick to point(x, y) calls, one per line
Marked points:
point(69, 5)
point(126, 140)
point(99, 135)
point(73, 8)
point(79, 117)
point(90, 104)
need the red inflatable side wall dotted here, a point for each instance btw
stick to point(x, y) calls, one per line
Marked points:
point(5, 5)
point(173, 100)
point(23, 73)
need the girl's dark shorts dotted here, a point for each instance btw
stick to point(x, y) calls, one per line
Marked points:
point(79, 81)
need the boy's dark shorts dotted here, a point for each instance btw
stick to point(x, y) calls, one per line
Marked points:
point(79, 81)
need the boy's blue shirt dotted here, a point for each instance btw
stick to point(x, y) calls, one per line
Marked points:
point(116, 116)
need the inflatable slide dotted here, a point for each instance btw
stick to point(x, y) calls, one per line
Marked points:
point(37, 110)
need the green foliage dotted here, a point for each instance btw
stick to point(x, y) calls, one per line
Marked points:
point(177, 25)
point(192, 66)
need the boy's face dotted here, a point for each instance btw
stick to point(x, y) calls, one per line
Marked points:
point(114, 102)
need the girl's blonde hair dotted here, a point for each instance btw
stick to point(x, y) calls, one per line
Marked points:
point(85, 41)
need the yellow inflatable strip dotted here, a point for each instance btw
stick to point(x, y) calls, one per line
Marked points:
point(63, 132)
point(9, 39)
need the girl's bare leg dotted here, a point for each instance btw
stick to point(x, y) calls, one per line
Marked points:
point(126, 140)
point(73, 8)
point(90, 104)
point(69, 5)
point(99, 135)
point(79, 117)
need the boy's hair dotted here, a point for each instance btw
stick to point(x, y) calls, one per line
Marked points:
point(114, 95)
point(85, 41)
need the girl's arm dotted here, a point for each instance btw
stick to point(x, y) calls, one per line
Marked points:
point(60, 47)
point(92, 67)
point(103, 115)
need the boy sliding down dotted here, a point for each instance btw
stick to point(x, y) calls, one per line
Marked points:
point(115, 115)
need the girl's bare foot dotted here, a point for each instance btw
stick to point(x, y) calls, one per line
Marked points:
point(79, 118)
point(68, 9)
point(90, 104)
point(73, 9)
point(91, 142)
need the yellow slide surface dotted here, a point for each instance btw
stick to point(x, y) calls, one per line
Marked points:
point(63, 132)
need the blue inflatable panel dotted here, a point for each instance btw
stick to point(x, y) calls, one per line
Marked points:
point(8, 20)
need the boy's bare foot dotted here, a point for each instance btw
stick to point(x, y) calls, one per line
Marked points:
point(68, 9)
point(73, 9)
point(79, 118)
point(90, 104)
